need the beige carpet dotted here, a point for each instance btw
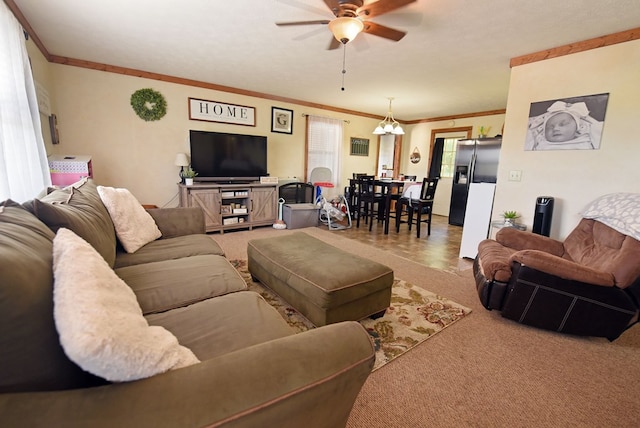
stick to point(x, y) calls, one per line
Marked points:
point(487, 371)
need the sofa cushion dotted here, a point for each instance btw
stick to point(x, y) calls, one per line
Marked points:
point(227, 323)
point(31, 357)
point(83, 212)
point(134, 226)
point(169, 284)
point(100, 323)
point(169, 249)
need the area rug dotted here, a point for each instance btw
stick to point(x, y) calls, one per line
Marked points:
point(414, 316)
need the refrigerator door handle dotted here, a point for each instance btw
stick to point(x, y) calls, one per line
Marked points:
point(472, 167)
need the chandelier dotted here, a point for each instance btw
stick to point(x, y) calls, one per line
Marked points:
point(389, 125)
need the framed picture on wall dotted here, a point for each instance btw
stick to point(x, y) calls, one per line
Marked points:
point(359, 147)
point(281, 120)
point(567, 123)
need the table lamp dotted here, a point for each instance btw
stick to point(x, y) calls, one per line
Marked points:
point(181, 161)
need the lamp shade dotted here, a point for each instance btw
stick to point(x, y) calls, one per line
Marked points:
point(398, 130)
point(181, 160)
point(345, 29)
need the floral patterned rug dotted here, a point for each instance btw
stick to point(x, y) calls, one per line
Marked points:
point(414, 316)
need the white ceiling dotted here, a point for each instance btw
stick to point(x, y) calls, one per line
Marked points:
point(454, 59)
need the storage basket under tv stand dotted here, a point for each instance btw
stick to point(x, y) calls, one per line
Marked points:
point(232, 206)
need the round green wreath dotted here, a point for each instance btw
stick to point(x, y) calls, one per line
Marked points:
point(148, 104)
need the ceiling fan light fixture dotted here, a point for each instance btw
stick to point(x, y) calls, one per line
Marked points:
point(389, 125)
point(345, 29)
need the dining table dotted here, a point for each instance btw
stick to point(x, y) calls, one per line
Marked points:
point(391, 189)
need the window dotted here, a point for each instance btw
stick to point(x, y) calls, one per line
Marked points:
point(448, 157)
point(324, 140)
point(23, 160)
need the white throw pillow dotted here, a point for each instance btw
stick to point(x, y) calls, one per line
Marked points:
point(100, 322)
point(134, 225)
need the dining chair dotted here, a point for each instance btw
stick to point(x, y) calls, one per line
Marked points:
point(367, 197)
point(351, 192)
point(421, 203)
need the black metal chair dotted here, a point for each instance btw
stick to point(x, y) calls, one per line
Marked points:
point(423, 205)
point(296, 193)
point(366, 200)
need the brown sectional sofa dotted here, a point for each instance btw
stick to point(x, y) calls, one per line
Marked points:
point(254, 370)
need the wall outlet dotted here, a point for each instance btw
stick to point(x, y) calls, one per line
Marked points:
point(515, 175)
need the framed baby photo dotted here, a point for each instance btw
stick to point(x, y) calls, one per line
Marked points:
point(281, 120)
point(573, 123)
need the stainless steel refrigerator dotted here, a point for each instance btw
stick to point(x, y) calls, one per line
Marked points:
point(476, 162)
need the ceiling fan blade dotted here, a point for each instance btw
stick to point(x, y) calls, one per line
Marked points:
point(310, 33)
point(301, 5)
point(381, 6)
point(383, 31)
point(333, 44)
point(334, 6)
point(320, 21)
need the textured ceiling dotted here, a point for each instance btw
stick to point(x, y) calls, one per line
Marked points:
point(454, 59)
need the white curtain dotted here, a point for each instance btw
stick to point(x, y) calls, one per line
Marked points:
point(24, 170)
point(324, 141)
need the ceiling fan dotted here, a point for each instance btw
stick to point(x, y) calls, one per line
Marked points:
point(352, 18)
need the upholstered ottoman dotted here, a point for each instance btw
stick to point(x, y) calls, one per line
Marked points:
point(324, 283)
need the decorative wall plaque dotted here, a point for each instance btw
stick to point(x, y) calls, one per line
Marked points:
point(214, 111)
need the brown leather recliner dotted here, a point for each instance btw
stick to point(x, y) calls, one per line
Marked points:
point(587, 285)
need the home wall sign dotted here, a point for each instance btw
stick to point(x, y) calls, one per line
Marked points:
point(214, 111)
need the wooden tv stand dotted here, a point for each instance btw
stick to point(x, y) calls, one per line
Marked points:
point(232, 206)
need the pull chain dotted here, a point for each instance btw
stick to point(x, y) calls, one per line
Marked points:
point(344, 60)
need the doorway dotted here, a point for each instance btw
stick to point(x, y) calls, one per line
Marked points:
point(389, 155)
point(442, 199)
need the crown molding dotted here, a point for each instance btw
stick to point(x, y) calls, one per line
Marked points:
point(585, 45)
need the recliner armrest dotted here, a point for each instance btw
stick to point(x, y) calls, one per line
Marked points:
point(562, 268)
point(521, 240)
point(174, 222)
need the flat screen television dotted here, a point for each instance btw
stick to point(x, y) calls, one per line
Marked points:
point(217, 156)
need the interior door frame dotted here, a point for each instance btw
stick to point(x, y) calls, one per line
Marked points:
point(435, 132)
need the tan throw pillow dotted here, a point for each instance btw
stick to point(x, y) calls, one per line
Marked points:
point(99, 321)
point(134, 226)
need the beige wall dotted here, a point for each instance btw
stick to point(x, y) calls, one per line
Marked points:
point(420, 136)
point(95, 118)
point(572, 177)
